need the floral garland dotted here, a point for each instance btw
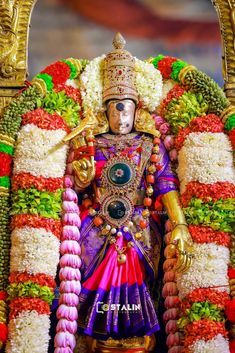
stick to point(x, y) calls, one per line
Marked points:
point(148, 85)
point(9, 126)
point(197, 81)
point(179, 112)
point(208, 192)
point(209, 123)
point(170, 293)
point(91, 85)
point(204, 159)
point(43, 225)
point(207, 189)
point(60, 73)
point(37, 204)
point(35, 250)
point(230, 128)
point(69, 274)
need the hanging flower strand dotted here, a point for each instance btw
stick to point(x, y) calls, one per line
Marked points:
point(69, 274)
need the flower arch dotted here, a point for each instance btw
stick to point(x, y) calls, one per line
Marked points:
point(196, 124)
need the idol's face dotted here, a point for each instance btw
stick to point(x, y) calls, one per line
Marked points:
point(121, 115)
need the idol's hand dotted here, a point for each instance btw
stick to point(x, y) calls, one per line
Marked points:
point(181, 239)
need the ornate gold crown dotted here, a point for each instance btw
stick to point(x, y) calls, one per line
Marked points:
point(119, 73)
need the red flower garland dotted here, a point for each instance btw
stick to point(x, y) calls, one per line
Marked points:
point(231, 273)
point(207, 192)
point(202, 235)
point(5, 164)
point(26, 180)
point(232, 137)
point(208, 123)
point(3, 332)
point(59, 71)
point(180, 138)
point(40, 278)
point(213, 296)
point(232, 345)
point(164, 66)
point(25, 220)
point(204, 330)
point(176, 92)
point(70, 91)
point(23, 304)
point(44, 120)
point(3, 295)
point(230, 311)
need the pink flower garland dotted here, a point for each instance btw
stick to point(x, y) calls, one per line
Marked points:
point(69, 274)
point(172, 301)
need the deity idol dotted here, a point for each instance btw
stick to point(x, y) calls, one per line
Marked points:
point(122, 175)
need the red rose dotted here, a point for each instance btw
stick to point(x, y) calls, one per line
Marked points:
point(5, 164)
point(3, 295)
point(231, 273)
point(59, 71)
point(230, 311)
point(164, 66)
point(3, 332)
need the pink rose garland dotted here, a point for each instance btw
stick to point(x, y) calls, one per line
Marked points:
point(70, 275)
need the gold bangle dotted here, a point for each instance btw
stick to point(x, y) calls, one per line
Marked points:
point(180, 224)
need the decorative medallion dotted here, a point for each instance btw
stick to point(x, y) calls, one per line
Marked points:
point(116, 210)
point(120, 175)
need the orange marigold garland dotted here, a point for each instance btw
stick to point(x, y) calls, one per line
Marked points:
point(40, 278)
point(205, 330)
point(41, 118)
point(26, 180)
point(207, 123)
point(35, 221)
point(207, 192)
point(203, 235)
point(28, 304)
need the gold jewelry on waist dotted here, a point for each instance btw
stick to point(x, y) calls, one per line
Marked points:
point(114, 350)
point(133, 342)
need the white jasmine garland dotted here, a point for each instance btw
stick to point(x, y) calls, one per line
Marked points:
point(205, 139)
point(28, 332)
point(206, 164)
point(39, 152)
point(167, 86)
point(92, 85)
point(148, 84)
point(218, 344)
point(208, 269)
point(34, 250)
point(206, 155)
point(72, 83)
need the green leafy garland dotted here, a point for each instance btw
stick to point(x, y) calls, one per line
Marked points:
point(218, 215)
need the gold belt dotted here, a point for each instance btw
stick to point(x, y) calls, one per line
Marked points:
point(121, 350)
point(133, 342)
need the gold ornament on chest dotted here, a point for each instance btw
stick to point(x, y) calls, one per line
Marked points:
point(120, 179)
point(120, 175)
